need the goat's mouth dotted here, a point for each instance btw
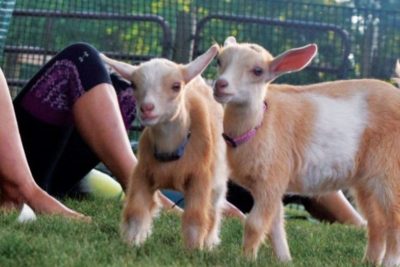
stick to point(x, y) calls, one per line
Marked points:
point(222, 97)
point(147, 119)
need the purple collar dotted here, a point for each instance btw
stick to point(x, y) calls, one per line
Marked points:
point(236, 141)
point(177, 154)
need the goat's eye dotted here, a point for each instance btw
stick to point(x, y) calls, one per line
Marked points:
point(218, 61)
point(133, 86)
point(257, 71)
point(176, 86)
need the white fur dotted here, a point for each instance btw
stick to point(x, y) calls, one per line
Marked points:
point(278, 238)
point(218, 193)
point(331, 154)
point(397, 73)
point(192, 233)
point(392, 260)
point(136, 231)
point(151, 74)
point(26, 215)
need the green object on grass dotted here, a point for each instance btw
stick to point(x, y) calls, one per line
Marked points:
point(101, 185)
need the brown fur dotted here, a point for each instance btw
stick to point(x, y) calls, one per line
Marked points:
point(191, 174)
point(200, 173)
point(271, 163)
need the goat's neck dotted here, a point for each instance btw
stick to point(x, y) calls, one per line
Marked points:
point(240, 118)
point(168, 136)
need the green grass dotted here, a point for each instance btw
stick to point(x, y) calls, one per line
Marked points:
point(54, 241)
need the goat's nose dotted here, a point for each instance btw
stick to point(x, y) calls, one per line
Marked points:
point(147, 107)
point(221, 84)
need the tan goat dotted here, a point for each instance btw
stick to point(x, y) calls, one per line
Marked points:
point(181, 148)
point(309, 140)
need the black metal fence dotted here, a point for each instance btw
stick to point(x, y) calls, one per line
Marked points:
point(6, 8)
point(353, 42)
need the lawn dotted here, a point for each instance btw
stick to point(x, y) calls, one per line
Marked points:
point(54, 241)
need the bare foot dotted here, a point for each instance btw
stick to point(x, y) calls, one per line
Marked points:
point(230, 210)
point(43, 203)
point(38, 200)
point(168, 205)
point(336, 207)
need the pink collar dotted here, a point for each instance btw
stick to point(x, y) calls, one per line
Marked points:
point(236, 141)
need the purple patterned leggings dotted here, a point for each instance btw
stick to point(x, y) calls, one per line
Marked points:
point(57, 154)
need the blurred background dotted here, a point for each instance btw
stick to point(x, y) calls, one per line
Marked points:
point(356, 38)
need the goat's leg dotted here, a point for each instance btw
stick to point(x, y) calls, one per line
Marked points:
point(140, 206)
point(392, 255)
point(376, 227)
point(277, 236)
point(259, 222)
point(195, 216)
point(215, 215)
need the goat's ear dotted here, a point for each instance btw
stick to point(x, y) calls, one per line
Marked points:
point(197, 66)
point(124, 69)
point(230, 41)
point(292, 60)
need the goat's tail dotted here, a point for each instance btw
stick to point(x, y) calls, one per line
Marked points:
point(396, 79)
